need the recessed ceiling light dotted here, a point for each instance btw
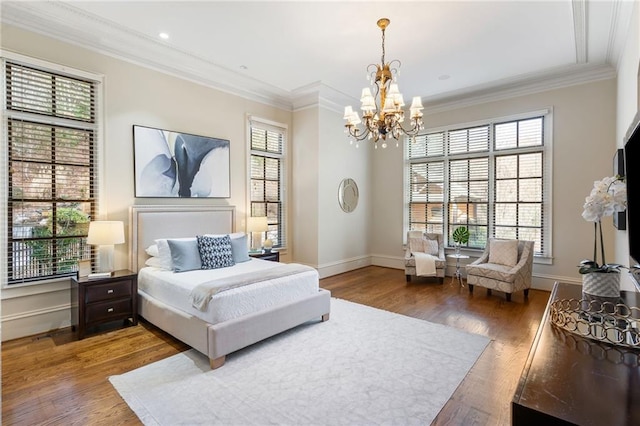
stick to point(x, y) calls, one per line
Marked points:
point(163, 36)
point(243, 67)
point(444, 77)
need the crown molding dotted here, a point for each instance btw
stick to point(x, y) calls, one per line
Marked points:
point(69, 24)
point(525, 84)
point(579, 9)
point(72, 25)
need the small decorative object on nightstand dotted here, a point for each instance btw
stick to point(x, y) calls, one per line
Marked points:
point(273, 256)
point(96, 302)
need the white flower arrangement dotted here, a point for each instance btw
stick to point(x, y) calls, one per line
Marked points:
point(607, 197)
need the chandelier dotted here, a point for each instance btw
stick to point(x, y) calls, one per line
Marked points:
point(384, 119)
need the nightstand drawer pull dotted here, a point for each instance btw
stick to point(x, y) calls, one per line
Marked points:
point(110, 310)
point(110, 291)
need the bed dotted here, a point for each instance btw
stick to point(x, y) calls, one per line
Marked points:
point(234, 318)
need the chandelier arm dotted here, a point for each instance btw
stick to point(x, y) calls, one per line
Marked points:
point(353, 132)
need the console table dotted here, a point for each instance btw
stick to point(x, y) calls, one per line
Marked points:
point(571, 380)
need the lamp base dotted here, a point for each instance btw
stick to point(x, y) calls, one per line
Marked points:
point(105, 254)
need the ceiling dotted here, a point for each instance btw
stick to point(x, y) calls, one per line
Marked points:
point(290, 53)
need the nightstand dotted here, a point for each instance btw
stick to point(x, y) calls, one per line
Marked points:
point(274, 256)
point(100, 301)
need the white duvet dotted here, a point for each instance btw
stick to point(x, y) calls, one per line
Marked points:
point(174, 288)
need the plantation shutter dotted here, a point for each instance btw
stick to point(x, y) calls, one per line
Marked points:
point(267, 178)
point(426, 182)
point(519, 186)
point(469, 198)
point(489, 178)
point(51, 139)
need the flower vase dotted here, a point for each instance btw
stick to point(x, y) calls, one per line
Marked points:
point(601, 284)
point(456, 248)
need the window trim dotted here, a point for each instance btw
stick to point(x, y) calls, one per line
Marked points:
point(547, 176)
point(283, 184)
point(49, 283)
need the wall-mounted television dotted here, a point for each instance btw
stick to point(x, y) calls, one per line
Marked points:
point(632, 178)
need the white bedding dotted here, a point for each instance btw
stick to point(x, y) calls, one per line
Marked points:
point(174, 288)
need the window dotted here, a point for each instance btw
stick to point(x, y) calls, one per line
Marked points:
point(51, 137)
point(267, 142)
point(488, 177)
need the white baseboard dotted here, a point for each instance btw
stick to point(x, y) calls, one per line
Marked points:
point(334, 268)
point(35, 322)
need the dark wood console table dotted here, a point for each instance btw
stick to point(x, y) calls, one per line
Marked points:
point(571, 380)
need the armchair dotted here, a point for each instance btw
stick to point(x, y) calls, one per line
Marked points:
point(410, 261)
point(502, 268)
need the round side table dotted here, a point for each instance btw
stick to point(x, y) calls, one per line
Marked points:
point(457, 274)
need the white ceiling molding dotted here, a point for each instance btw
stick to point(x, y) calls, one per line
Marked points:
point(579, 9)
point(67, 23)
point(53, 19)
point(523, 85)
point(620, 22)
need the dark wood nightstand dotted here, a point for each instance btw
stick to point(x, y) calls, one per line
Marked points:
point(100, 301)
point(274, 256)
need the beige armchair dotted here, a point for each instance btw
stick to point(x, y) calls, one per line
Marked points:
point(410, 261)
point(505, 265)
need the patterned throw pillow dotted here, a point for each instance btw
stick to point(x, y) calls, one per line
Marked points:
point(215, 252)
point(431, 247)
point(416, 245)
point(503, 252)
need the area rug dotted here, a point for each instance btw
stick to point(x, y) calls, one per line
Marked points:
point(364, 366)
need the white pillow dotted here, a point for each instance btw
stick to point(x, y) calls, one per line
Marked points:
point(431, 247)
point(503, 252)
point(152, 250)
point(416, 245)
point(155, 262)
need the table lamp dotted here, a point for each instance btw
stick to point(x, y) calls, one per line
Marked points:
point(257, 225)
point(105, 234)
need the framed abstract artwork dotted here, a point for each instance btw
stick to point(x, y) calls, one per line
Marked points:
point(170, 164)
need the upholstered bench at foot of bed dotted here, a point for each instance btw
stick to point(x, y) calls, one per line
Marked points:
point(230, 336)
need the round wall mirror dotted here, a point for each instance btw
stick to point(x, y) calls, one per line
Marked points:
point(348, 195)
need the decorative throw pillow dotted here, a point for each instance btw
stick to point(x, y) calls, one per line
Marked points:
point(416, 245)
point(215, 252)
point(239, 249)
point(164, 252)
point(503, 252)
point(185, 255)
point(431, 247)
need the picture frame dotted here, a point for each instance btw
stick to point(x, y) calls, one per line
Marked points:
point(84, 268)
point(170, 164)
point(619, 218)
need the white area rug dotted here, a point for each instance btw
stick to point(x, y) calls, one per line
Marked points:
point(364, 366)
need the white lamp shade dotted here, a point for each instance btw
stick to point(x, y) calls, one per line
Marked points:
point(416, 104)
point(257, 224)
point(105, 232)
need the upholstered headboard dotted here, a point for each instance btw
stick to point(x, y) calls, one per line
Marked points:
point(148, 223)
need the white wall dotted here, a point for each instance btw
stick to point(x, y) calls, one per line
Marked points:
point(343, 237)
point(326, 237)
point(628, 104)
point(583, 148)
point(133, 95)
point(304, 185)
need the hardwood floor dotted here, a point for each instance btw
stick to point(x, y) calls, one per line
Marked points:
point(55, 379)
